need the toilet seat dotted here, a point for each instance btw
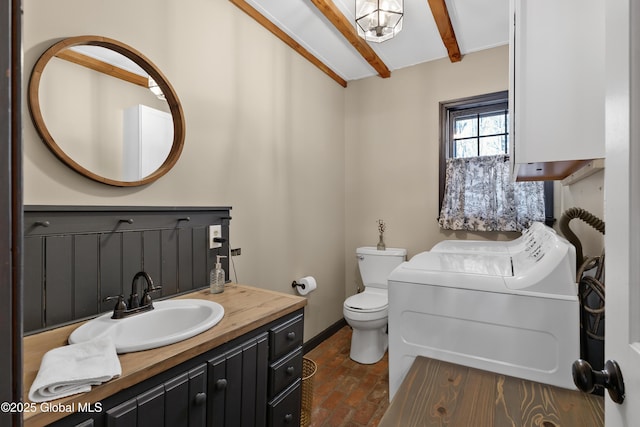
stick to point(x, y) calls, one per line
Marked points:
point(366, 302)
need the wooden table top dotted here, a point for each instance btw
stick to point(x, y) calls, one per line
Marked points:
point(246, 308)
point(437, 393)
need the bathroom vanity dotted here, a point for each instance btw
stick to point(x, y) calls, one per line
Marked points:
point(246, 370)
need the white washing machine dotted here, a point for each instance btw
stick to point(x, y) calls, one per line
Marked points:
point(513, 310)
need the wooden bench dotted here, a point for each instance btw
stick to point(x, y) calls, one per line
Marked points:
point(437, 393)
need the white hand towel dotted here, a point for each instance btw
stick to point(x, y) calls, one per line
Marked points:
point(74, 369)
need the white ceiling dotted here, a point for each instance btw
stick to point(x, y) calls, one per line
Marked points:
point(478, 25)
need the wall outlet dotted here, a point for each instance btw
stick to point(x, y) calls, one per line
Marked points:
point(236, 252)
point(215, 232)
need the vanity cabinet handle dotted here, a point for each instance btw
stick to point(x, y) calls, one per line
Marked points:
point(291, 336)
point(221, 384)
point(200, 399)
point(288, 418)
point(290, 370)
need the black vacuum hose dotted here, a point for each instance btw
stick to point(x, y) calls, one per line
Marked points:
point(591, 291)
point(587, 217)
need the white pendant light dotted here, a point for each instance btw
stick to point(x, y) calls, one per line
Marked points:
point(379, 20)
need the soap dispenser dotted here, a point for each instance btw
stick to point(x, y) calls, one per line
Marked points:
point(217, 279)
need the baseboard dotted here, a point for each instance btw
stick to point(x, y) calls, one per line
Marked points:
point(315, 341)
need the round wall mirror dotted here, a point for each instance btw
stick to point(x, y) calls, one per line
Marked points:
point(106, 111)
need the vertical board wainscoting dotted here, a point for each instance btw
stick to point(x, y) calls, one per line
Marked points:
point(75, 256)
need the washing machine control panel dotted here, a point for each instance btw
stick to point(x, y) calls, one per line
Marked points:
point(538, 241)
point(546, 263)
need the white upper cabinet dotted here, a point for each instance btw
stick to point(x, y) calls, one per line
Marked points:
point(557, 86)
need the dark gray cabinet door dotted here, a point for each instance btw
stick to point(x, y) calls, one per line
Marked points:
point(238, 384)
point(197, 402)
point(217, 373)
point(180, 401)
point(261, 378)
point(123, 415)
point(151, 408)
point(177, 401)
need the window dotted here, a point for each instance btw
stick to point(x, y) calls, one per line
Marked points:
point(464, 134)
point(476, 191)
point(481, 131)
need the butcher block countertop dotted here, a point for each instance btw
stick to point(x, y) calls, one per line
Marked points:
point(437, 393)
point(246, 308)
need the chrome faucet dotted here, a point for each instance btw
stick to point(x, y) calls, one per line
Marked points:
point(135, 305)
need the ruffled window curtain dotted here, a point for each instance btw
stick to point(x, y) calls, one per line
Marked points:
point(479, 195)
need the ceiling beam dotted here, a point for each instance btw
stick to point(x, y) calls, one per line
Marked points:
point(249, 10)
point(346, 28)
point(443, 22)
point(103, 67)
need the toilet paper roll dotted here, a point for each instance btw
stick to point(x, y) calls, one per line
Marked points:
point(309, 285)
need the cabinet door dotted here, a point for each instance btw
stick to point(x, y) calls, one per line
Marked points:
point(261, 378)
point(557, 80)
point(150, 411)
point(233, 401)
point(238, 385)
point(217, 385)
point(186, 398)
point(178, 402)
point(123, 415)
point(197, 404)
point(249, 372)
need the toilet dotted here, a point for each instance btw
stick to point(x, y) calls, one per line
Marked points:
point(367, 312)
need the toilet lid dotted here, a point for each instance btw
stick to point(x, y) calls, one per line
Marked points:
point(366, 302)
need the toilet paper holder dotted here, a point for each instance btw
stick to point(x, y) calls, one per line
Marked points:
point(294, 284)
point(304, 285)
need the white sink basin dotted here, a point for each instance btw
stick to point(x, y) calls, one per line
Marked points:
point(169, 322)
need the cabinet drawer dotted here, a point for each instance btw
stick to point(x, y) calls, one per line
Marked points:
point(285, 409)
point(284, 372)
point(285, 337)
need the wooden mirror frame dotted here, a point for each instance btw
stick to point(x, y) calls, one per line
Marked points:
point(172, 99)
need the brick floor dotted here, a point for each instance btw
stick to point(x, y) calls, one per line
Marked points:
point(347, 393)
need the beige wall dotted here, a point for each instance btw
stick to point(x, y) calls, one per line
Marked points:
point(307, 165)
point(264, 135)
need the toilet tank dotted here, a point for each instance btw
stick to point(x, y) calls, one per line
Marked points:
point(376, 265)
